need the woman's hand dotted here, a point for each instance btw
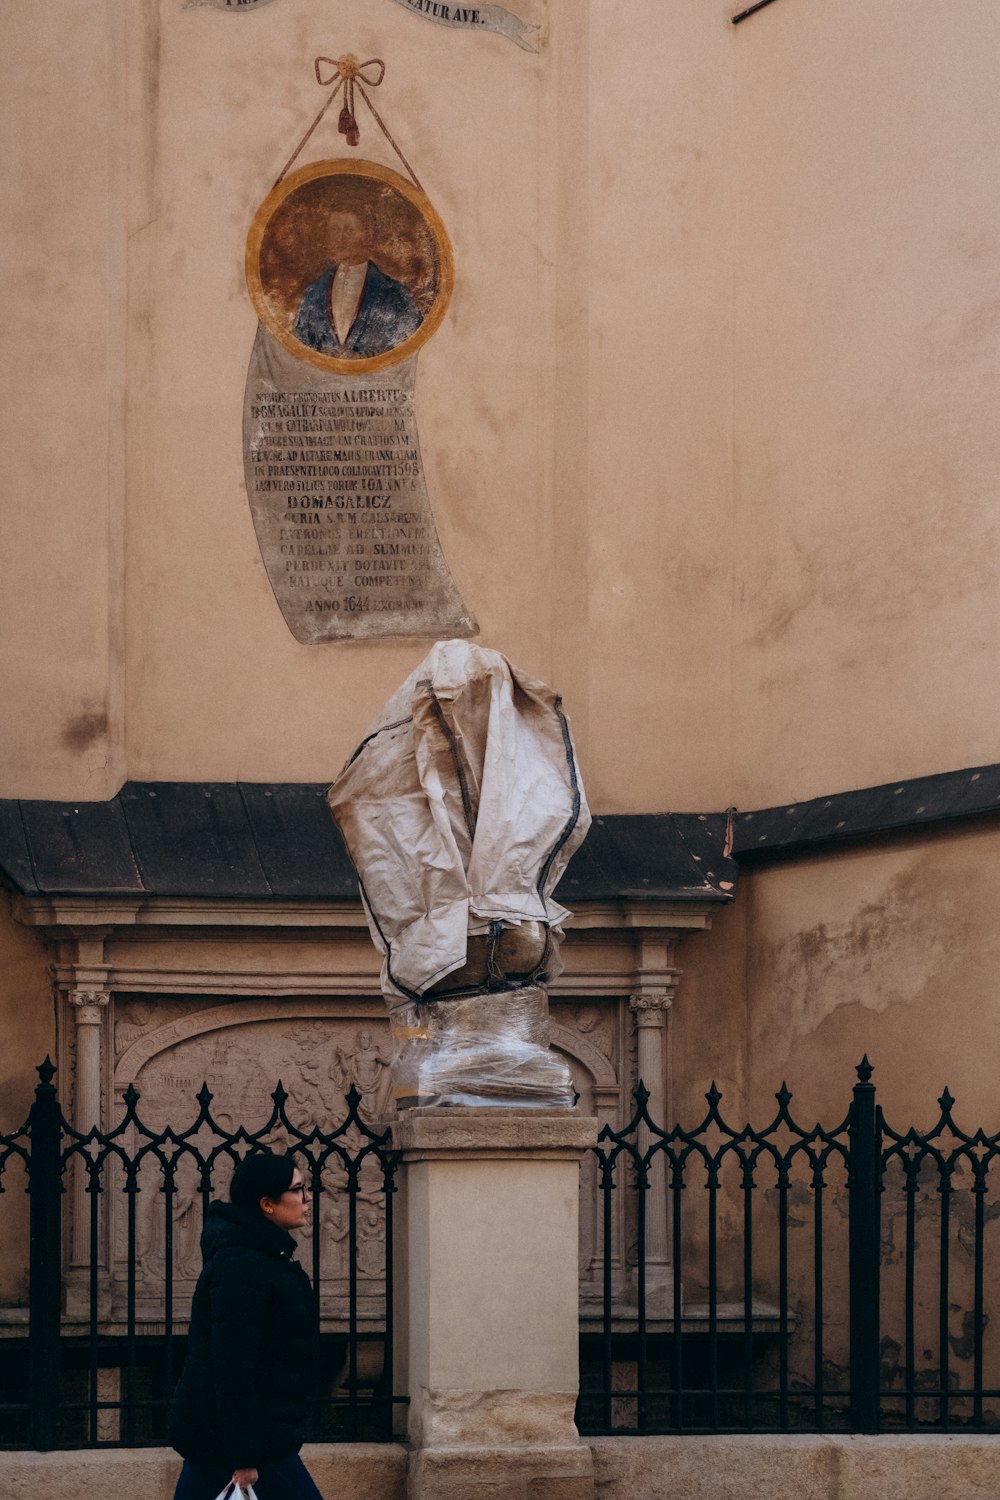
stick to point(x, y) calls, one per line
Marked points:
point(244, 1478)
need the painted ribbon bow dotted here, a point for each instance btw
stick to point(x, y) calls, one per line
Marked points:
point(347, 70)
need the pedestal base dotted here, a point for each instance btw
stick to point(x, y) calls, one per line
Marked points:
point(490, 1278)
point(503, 1473)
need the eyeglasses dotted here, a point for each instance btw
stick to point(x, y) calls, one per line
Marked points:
point(300, 1188)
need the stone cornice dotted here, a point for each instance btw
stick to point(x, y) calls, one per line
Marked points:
point(75, 913)
point(208, 946)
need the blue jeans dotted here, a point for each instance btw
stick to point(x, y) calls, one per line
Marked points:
point(286, 1479)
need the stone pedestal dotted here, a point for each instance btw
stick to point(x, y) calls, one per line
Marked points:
point(490, 1279)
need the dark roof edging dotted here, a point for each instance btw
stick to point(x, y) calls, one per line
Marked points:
point(895, 807)
point(276, 840)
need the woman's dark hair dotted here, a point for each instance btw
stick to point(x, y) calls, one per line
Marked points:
point(262, 1175)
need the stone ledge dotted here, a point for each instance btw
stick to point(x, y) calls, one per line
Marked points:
point(342, 1471)
point(493, 1132)
point(925, 1467)
point(506, 1472)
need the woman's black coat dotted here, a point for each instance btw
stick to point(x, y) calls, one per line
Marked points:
point(240, 1401)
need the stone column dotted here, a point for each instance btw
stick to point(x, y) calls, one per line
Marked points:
point(651, 1009)
point(490, 1280)
point(89, 1008)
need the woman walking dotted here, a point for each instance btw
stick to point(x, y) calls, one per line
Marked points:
point(237, 1415)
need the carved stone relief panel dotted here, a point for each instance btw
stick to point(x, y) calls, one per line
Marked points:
point(588, 1033)
point(318, 1048)
point(241, 1050)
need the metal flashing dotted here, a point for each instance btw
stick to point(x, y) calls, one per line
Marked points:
point(894, 807)
point(251, 841)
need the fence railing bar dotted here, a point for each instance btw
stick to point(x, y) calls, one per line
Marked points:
point(387, 1382)
point(129, 1391)
point(677, 1343)
point(864, 1263)
point(607, 1353)
point(642, 1193)
point(783, 1300)
point(909, 1295)
point(713, 1291)
point(352, 1299)
point(747, 1189)
point(93, 1293)
point(819, 1407)
point(45, 1260)
point(978, 1319)
point(944, 1411)
point(169, 1350)
point(315, 1247)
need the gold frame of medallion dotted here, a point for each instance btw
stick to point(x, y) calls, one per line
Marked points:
point(341, 167)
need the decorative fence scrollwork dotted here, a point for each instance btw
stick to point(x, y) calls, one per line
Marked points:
point(108, 1301)
point(809, 1279)
point(819, 1279)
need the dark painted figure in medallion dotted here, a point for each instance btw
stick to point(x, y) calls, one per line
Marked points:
point(354, 308)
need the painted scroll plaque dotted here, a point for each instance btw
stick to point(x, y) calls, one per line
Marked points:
point(350, 271)
point(495, 18)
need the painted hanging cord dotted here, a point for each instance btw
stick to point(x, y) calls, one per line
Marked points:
point(350, 75)
point(384, 129)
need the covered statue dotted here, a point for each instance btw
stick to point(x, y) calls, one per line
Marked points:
point(461, 808)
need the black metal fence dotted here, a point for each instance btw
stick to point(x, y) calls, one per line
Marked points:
point(113, 1223)
point(796, 1280)
point(776, 1280)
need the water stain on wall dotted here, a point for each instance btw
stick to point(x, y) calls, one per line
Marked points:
point(85, 729)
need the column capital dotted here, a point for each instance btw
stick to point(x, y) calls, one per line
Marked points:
point(88, 1005)
point(650, 1007)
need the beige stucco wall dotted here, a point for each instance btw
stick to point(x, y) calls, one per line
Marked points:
point(62, 432)
point(867, 617)
point(889, 948)
point(657, 294)
point(708, 428)
point(26, 998)
point(27, 1029)
point(541, 415)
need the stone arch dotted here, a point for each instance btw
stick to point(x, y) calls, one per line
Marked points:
point(598, 1066)
point(600, 1096)
point(184, 1028)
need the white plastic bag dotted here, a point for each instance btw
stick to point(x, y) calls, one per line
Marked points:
point(233, 1492)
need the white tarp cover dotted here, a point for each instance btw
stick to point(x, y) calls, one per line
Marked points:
point(460, 808)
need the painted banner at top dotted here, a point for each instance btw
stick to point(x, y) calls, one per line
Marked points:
point(444, 12)
point(490, 17)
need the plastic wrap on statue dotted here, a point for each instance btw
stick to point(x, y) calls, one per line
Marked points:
point(461, 808)
point(482, 1050)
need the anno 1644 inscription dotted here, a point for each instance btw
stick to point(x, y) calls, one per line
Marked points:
point(350, 271)
point(339, 502)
